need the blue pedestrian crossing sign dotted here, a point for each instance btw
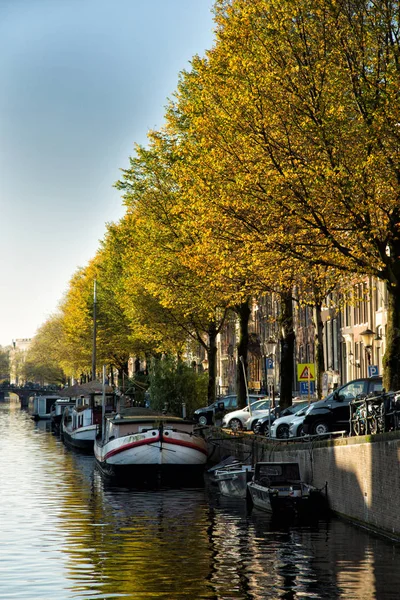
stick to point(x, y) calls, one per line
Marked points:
point(373, 370)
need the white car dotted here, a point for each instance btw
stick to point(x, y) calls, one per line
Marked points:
point(280, 427)
point(238, 418)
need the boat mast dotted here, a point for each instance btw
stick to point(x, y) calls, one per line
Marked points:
point(103, 404)
point(245, 383)
point(94, 331)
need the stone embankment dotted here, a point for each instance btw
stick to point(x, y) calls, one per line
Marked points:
point(362, 474)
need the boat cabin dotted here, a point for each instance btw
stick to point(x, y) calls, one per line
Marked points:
point(60, 405)
point(41, 406)
point(81, 416)
point(121, 425)
point(271, 474)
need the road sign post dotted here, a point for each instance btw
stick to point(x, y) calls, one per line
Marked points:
point(306, 373)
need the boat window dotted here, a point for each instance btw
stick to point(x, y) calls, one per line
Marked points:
point(272, 470)
point(278, 472)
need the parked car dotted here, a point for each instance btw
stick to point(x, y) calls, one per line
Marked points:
point(205, 415)
point(252, 421)
point(333, 413)
point(238, 418)
point(280, 425)
point(296, 424)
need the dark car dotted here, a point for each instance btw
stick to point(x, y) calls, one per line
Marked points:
point(205, 416)
point(333, 413)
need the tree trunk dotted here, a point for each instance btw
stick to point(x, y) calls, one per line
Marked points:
point(287, 350)
point(212, 361)
point(318, 349)
point(391, 360)
point(243, 312)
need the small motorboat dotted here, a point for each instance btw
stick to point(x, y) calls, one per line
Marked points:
point(277, 487)
point(232, 480)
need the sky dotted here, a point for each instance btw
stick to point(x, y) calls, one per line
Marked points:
point(82, 81)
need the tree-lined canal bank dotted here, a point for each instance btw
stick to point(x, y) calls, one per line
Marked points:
point(66, 534)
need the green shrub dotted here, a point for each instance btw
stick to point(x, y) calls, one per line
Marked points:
point(173, 383)
point(136, 388)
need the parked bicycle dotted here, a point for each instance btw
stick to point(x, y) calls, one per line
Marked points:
point(375, 413)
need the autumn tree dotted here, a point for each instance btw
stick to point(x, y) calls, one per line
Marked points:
point(4, 363)
point(296, 111)
point(44, 356)
point(324, 125)
point(111, 341)
point(160, 246)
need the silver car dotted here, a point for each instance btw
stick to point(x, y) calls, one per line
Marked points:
point(238, 418)
point(280, 427)
point(296, 425)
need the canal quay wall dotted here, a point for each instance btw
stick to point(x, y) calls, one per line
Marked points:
point(361, 474)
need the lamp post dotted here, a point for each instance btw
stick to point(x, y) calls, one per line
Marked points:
point(367, 337)
point(270, 348)
point(378, 345)
point(245, 383)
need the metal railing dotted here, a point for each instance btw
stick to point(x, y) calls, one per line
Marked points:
point(376, 413)
point(315, 437)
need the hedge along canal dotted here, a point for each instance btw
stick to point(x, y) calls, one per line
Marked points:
point(362, 474)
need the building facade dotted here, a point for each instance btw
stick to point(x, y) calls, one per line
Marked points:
point(17, 359)
point(354, 334)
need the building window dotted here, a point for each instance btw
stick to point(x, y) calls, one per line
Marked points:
point(347, 315)
point(335, 344)
point(356, 306)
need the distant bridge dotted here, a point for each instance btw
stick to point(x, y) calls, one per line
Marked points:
point(24, 393)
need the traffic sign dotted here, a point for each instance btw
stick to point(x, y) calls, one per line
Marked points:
point(269, 363)
point(373, 370)
point(306, 372)
point(304, 388)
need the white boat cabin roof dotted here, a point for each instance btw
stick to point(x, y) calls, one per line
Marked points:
point(119, 419)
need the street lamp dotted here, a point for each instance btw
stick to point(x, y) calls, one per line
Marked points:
point(270, 347)
point(378, 340)
point(378, 345)
point(367, 337)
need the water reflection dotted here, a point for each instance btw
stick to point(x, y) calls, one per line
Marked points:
point(67, 533)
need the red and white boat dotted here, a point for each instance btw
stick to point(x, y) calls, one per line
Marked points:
point(141, 443)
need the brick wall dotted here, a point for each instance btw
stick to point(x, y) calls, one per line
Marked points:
point(362, 473)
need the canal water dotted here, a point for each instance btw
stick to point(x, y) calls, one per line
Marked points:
point(67, 534)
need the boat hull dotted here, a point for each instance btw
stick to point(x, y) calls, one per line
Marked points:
point(81, 438)
point(41, 417)
point(281, 501)
point(233, 483)
point(153, 454)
